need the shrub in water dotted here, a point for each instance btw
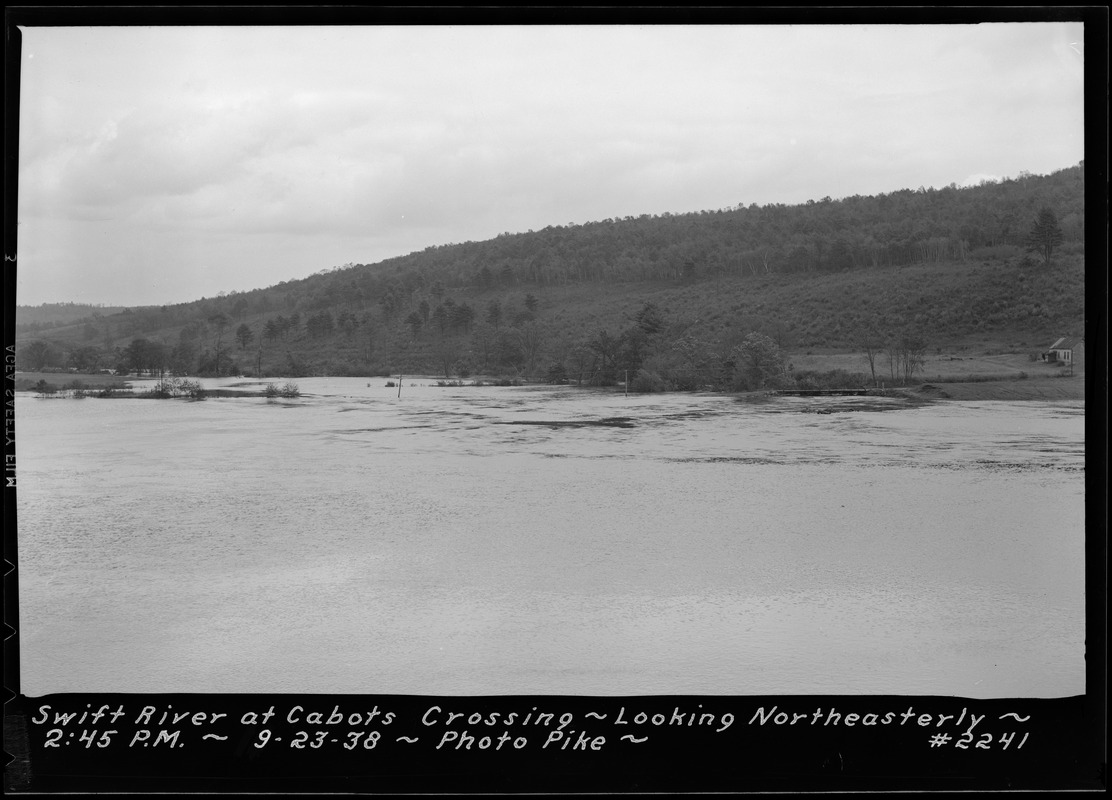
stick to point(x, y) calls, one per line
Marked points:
point(557, 373)
point(192, 389)
point(44, 388)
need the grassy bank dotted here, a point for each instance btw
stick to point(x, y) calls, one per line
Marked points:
point(25, 381)
point(1015, 389)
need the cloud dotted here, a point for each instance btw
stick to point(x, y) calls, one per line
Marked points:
point(268, 150)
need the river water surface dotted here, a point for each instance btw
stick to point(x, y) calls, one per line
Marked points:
point(525, 540)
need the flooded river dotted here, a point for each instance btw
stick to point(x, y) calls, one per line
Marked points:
point(549, 540)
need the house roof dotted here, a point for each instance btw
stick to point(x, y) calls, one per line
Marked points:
point(1066, 343)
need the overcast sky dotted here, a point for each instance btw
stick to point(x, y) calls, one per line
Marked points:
point(160, 165)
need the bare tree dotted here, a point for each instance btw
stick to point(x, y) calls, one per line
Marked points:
point(906, 355)
point(871, 341)
point(912, 348)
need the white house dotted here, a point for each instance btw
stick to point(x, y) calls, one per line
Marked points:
point(1068, 349)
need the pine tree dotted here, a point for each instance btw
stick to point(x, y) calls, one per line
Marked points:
point(1045, 235)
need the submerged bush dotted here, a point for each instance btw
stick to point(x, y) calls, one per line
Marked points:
point(44, 388)
point(557, 373)
point(177, 387)
point(289, 389)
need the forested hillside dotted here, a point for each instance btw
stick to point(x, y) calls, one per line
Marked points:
point(668, 295)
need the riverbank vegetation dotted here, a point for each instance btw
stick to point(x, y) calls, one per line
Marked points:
point(166, 388)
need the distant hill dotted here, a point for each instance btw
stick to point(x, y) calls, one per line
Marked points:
point(948, 264)
point(32, 319)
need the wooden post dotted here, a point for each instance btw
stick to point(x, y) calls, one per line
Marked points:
point(627, 383)
point(400, 386)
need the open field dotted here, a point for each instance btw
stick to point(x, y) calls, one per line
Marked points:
point(963, 375)
point(944, 366)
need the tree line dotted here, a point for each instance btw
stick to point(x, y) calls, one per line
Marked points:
point(821, 236)
point(411, 307)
